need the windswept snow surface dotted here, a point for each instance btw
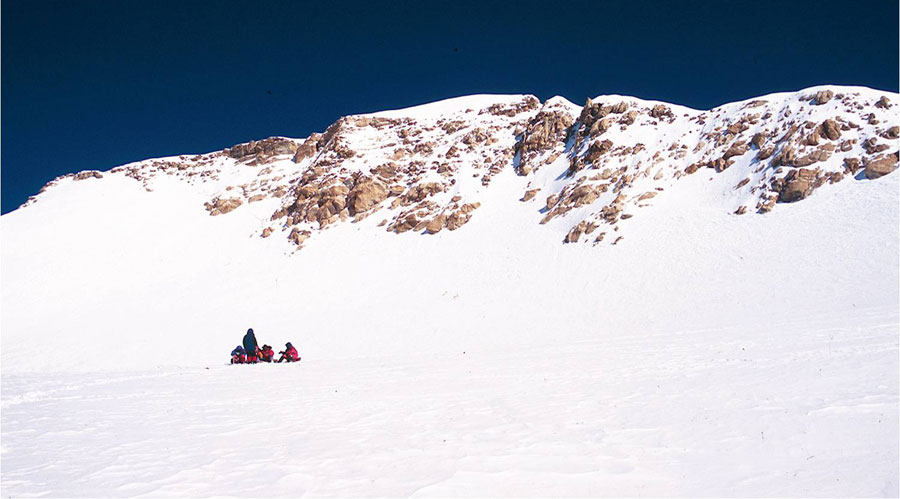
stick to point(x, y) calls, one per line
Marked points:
point(705, 354)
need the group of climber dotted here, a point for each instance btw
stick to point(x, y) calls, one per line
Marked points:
point(250, 352)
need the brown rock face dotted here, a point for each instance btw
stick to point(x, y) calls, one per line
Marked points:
point(798, 184)
point(765, 153)
point(823, 96)
point(308, 149)
point(262, 149)
point(813, 157)
point(881, 166)
point(545, 131)
point(736, 150)
point(365, 195)
point(873, 147)
point(758, 140)
point(87, 175)
point(883, 103)
point(529, 195)
point(576, 232)
point(660, 111)
point(852, 165)
point(459, 218)
point(297, 236)
point(221, 206)
point(436, 224)
point(831, 129)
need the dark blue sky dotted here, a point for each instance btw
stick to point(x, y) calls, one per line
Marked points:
point(94, 84)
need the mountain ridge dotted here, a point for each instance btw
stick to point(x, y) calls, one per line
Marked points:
point(601, 162)
point(151, 262)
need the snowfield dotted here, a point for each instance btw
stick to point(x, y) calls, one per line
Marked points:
point(705, 354)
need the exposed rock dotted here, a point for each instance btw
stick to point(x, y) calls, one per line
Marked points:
point(765, 153)
point(308, 148)
point(551, 201)
point(528, 103)
point(576, 232)
point(419, 192)
point(822, 96)
point(736, 150)
point(597, 149)
point(831, 129)
point(87, 174)
point(459, 218)
point(881, 166)
point(766, 204)
point(436, 224)
point(758, 140)
point(365, 195)
point(544, 132)
point(219, 206)
point(892, 133)
point(873, 147)
point(852, 165)
point(883, 103)
point(798, 184)
point(529, 194)
point(297, 236)
point(262, 149)
point(661, 111)
point(813, 157)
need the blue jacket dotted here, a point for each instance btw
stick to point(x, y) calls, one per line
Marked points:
point(250, 344)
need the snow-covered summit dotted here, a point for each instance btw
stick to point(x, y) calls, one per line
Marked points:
point(586, 170)
point(464, 176)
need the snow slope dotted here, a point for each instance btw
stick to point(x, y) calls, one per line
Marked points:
point(704, 353)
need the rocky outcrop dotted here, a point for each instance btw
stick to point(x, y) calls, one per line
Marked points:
point(87, 174)
point(611, 160)
point(822, 96)
point(220, 206)
point(881, 166)
point(365, 195)
point(260, 151)
point(547, 131)
point(797, 185)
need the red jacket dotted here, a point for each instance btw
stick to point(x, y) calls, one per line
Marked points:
point(291, 353)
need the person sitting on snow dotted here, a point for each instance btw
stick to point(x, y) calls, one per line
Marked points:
point(238, 356)
point(266, 354)
point(289, 354)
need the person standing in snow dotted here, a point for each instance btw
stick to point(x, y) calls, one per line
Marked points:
point(251, 347)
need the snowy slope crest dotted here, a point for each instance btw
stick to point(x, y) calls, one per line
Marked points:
point(584, 170)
